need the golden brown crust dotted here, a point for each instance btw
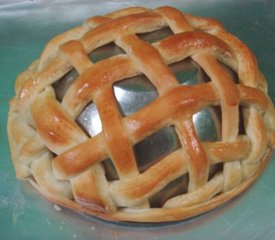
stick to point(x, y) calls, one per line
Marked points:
point(66, 164)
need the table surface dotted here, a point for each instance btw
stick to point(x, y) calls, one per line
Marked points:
point(26, 26)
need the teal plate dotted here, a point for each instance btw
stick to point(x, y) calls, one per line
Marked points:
point(26, 26)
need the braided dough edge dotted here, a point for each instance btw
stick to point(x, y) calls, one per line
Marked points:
point(163, 214)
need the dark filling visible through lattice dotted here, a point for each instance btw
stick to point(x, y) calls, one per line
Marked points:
point(133, 94)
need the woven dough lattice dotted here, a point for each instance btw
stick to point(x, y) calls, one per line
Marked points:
point(51, 150)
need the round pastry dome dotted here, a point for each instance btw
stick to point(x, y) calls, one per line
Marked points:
point(146, 115)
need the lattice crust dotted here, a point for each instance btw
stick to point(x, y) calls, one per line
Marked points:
point(66, 165)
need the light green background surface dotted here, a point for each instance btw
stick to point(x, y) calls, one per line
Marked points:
point(26, 26)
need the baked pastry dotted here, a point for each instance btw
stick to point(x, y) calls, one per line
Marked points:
point(68, 166)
